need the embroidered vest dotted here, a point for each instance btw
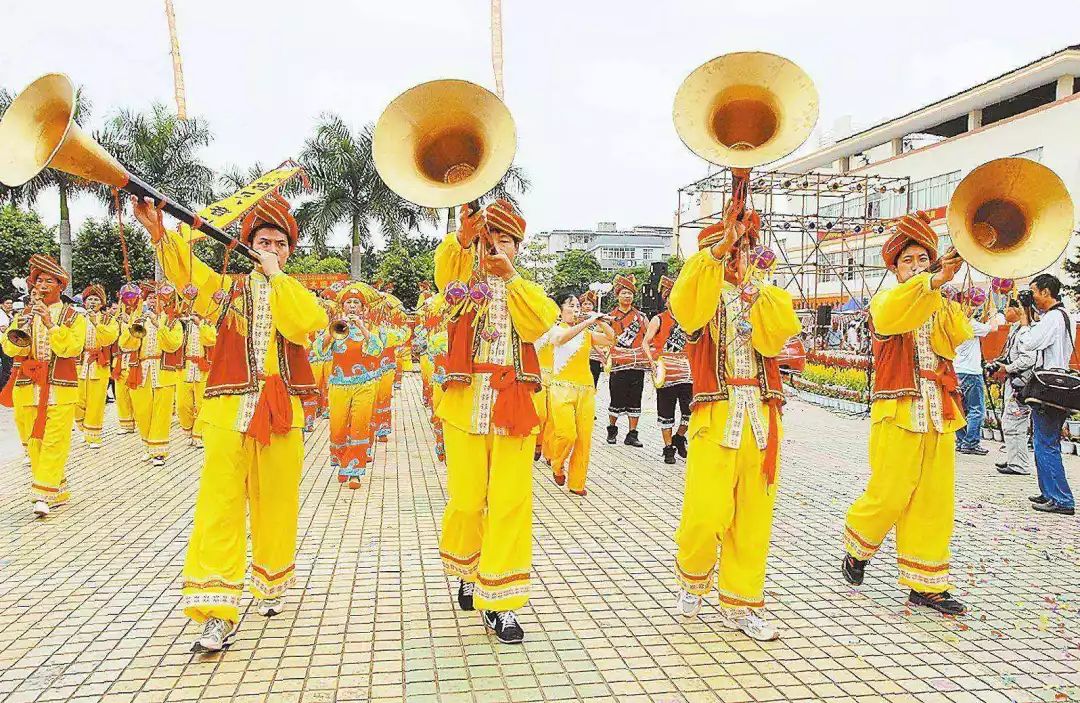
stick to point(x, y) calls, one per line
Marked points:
point(232, 362)
point(897, 368)
point(707, 352)
point(463, 342)
point(63, 371)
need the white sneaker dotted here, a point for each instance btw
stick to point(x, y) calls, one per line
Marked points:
point(217, 634)
point(752, 624)
point(26, 460)
point(93, 445)
point(198, 443)
point(146, 457)
point(157, 462)
point(269, 607)
point(41, 508)
point(687, 604)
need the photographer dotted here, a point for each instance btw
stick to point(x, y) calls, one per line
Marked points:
point(1017, 362)
point(1051, 340)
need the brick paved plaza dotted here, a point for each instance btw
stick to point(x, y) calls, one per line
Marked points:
point(88, 596)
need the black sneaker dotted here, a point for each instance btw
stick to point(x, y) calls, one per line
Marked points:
point(679, 442)
point(505, 625)
point(1001, 464)
point(1055, 508)
point(1039, 499)
point(942, 602)
point(612, 434)
point(669, 454)
point(632, 440)
point(465, 594)
point(976, 451)
point(853, 569)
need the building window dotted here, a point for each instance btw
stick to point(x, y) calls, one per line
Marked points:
point(620, 253)
point(935, 192)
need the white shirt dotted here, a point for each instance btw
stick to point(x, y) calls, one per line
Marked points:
point(1052, 340)
point(969, 353)
point(5, 319)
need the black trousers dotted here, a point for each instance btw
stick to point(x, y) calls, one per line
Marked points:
point(626, 388)
point(667, 398)
point(6, 363)
point(596, 367)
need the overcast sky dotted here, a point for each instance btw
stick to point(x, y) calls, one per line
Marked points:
point(590, 82)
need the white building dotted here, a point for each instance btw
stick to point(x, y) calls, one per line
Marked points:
point(614, 248)
point(1032, 111)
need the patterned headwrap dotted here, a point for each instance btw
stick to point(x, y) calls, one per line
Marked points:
point(666, 284)
point(624, 281)
point(166, 293)
point(588, 296)
point(501, 215)
point(39, 264)
point(913, 228)
point(96, 290)
point(358, 291)
point(273, 211)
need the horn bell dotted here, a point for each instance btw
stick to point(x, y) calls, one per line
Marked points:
point(1010, 218)
point(444, 143)
point(38, 131)
point(745, 109)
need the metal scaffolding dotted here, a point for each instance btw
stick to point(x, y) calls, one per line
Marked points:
point(802, 213)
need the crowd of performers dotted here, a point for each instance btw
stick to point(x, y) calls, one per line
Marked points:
point(509, 376)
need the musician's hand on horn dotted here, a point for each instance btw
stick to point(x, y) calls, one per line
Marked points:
point(148, 213)
point(39, 309)
point(499, 264)
point(950, 266)
point(732, 230)
point(470, 226)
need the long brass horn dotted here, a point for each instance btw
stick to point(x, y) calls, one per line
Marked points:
point(444, 143)
point(745, 109)
point(38, 131)
point(1010, 218)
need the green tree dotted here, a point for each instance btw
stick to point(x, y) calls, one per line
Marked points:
point(313, 263)
point(21, 234)
point(348, 190)
point(165, 152)
point(98, 256)
point(405, 262)
point(536, 264)
point(576, 269)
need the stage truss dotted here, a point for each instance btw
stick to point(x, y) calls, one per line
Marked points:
point(806, 218)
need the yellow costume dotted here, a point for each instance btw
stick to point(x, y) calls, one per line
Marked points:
point(123, 360)
point(245, 467)
point(487, 524)
point(94, 376)
point(728, 500)
point(198, 335)
point(572, 403)
point(153, 391)
point(912, 443)
point(43, 388)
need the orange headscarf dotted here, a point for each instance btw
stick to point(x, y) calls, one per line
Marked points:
point(271, 211)
point(913, 228)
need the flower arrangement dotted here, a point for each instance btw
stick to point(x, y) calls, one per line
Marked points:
point(833, 382)
point(840, 360)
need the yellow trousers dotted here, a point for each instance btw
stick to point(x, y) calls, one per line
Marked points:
point(153, 415)
point(48, 455)
point(189, 397)
point(570, 423)
point(351, 431)
point(90, 409)
point(384, 393)
point(726, 505)
point(487, 524)
point(125, 414)
point(911, 486)
point(241, 475)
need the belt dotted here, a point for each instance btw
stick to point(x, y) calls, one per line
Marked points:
point(772, 444)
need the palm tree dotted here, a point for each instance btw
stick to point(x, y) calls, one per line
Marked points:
point(348, 190)
point(162, 149)
point(67, 185)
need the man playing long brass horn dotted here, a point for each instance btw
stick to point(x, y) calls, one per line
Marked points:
point(915, 412)
point(736, 331)
point(252, 419)
point(489, 413)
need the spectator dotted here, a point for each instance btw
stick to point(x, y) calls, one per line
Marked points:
point(7, 314)
point(969, 368)
point(835, 338)
point(1051, 339)
point(1017, 362)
